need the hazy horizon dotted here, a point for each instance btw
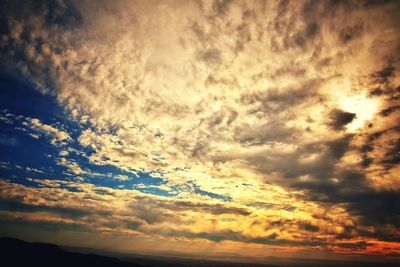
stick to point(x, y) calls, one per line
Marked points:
point(253, 129)
point(162, 258)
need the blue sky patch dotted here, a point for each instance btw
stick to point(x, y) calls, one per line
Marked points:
point(29, 155)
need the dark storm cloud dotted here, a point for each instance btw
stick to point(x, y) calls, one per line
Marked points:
point(374, 207)
point(275, 101)
point(293, 225)
point(309, 227)
point(381, 84)
point(369, 3)
point(216, 209)
point(8, 226)
point(392, 155)
point(389, 110)
point(291, 166)
point(134, 225)
point(271, 239)
point(351, 188)
point(385, 74)
point(11, 205)
point(354, 245)
point(340, 118)
point(381, 146)
point(57, 13)
point(154, 211)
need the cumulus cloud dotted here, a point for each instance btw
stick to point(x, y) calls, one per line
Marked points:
point(72, 166)
point(57, 137)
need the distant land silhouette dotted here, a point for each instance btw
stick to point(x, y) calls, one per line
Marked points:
point(20, 253)
point(15, 252)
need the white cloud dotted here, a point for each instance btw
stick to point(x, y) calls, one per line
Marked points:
point(121, 177)
point(64, 153)
point(72, 166)
point(57, 137)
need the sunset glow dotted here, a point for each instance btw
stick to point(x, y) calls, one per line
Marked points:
point(362, 106)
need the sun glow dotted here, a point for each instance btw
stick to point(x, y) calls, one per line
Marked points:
point(364, 107)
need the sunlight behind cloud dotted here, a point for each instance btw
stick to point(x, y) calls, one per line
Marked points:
point(362, 106)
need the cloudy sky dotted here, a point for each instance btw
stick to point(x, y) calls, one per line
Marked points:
point(255, 128)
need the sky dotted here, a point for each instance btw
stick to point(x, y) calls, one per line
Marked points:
point(249, 128)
